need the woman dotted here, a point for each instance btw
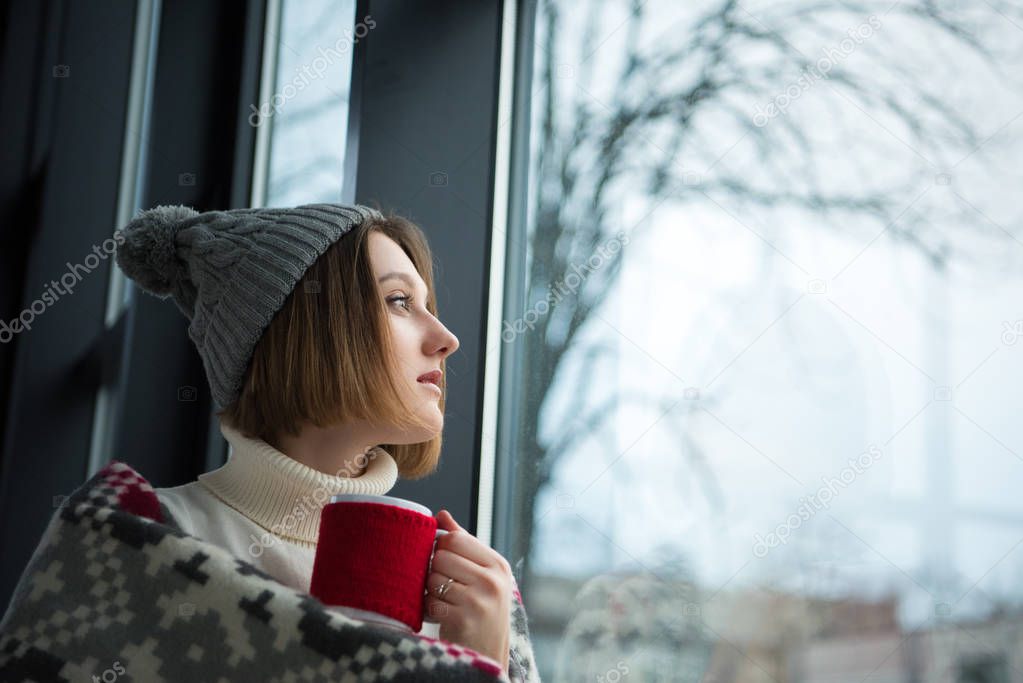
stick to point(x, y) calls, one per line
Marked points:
point(318, 332)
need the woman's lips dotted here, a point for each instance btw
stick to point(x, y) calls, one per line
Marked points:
point(432, 376)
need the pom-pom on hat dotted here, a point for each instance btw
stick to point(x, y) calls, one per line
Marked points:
point(230, 272)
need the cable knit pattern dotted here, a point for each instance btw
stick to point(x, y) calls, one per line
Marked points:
point(230, 272)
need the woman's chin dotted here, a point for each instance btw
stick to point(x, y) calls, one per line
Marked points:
point(437, 426)
point(434, 426)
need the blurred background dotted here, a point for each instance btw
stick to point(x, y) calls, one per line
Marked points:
point(737, 285)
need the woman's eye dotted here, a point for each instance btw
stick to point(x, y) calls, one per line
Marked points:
point(405, 301)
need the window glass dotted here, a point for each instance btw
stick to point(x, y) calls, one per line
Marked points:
point(766, 409)
point(308, 110)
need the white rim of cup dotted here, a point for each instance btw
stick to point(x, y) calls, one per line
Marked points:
point(372, 617)
point(386, 500)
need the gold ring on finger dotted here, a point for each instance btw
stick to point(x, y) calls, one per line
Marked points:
point(443, 588)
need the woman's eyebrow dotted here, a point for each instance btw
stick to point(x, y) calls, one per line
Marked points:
point(404, 277)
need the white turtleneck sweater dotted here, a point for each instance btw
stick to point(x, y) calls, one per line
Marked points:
point(264, 507)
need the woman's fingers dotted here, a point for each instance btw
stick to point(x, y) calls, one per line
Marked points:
point(454, 595)
point(447, 564)
point(460, 541)
point(446, 521)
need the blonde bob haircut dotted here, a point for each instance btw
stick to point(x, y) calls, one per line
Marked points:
point(327, 357)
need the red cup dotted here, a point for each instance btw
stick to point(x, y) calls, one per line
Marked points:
point(373, 555)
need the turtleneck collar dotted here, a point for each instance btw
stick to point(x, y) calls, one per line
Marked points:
point(283, 495)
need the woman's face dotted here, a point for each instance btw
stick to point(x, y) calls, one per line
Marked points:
point(421, 342)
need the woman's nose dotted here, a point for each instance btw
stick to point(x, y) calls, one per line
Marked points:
point(447, 343)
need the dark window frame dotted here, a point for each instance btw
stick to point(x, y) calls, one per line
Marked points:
point(416, 110)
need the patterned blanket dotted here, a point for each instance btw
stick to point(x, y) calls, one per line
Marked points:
point(115, 591)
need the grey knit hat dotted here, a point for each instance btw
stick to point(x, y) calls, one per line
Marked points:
point(230, 271)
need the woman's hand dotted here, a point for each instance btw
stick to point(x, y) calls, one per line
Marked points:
point(475, 609)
